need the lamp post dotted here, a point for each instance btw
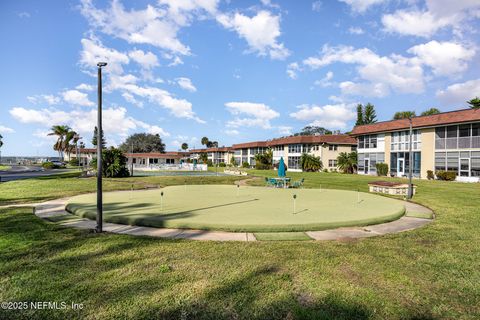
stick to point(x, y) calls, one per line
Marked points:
point(410, 161)
point(99, 227)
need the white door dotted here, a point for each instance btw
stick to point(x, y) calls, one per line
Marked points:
point(464, 167)
point(366, 164)
point(400, 167)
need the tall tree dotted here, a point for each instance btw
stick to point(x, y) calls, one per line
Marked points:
point(404, 115)
point(474, 103)
point(369, 115)
point(212, 144)
point(94, 138)
point(359, 115)
point(61, 132)
point(143, 142)
point(184, 146)
point(205, 141)
point(313, 130)
point(430, 112)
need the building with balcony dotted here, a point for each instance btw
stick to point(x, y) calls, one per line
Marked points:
point(445, 141)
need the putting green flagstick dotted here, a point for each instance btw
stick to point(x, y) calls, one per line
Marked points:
point(294, 203)
point(238, 189)
point(358, 195)
point(161, 201)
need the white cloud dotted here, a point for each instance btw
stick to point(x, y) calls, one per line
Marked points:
point(76, 97)
point(186, 83)
point(364, 89)
point(147, 60)
point(414, 23)
point(325, 81)
point(285, 130)
point(317, 6)
point(84, 87)
point(4, 129)
point(249, 114)
point(395, 72)
point(179, 108)
point(260, 31)
point(361, 6)
point(232, 132)
point(130, 98)
point(330, 116)
point(459, 93)
point(48, 98)
point(292, 70)
point(154, 25)
point(24, 14)
point(445, 58)
point(93, 51)
point(437, 15)
point(115, 120)
point(356, 30)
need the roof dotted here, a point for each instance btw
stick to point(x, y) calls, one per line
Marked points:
point(88, 150)
point(253, 144)
point(168, 154)
point(221, 149)
point(444, 118)
point(327, 138)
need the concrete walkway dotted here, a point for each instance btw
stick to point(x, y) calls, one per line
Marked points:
point(56, 208)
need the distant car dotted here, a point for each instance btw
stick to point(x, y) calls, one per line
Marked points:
point(58, 163)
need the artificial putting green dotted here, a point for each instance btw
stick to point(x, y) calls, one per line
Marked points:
point(252, 209)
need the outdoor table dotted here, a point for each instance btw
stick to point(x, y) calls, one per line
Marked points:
point(282, 182)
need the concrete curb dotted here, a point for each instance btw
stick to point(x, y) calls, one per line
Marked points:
point(55, 208)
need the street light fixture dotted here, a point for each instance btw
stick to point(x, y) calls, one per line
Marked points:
point(99, 227)
point(410, 161)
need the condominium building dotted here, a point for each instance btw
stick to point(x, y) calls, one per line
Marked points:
point(216, 155)
point(445, 141)
point(327, 147)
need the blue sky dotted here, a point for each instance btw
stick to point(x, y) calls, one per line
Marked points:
point(233, 71)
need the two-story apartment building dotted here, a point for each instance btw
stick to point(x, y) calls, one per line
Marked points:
point(445, 141)
point(327, 147)
point(216, 155)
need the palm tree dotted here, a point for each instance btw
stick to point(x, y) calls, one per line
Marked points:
point(430, 112)
point(205, 141)
point(203, 157)
point(184, 146)
point(404, 115)
point(347, 162)
point(310, 163)
point(61, 132)
point(70, 136)
point(474, 103)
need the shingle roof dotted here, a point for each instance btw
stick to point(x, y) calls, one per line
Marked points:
point(327, 138)
point(253, 144)
point(168, 154)
point(445, 118)
point(221, 149)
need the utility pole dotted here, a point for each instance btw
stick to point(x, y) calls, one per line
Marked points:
point(99, 227)
point(410, 161)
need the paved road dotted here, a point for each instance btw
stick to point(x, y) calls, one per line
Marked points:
point(27, 172)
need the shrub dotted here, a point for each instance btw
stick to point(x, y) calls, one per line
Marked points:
point(382, 169)
point(310, 163)
point(209, 163)
point(245, 165)
point(222, 164)
point(325, 170)
point(446, 175)
point(48, 165)
point(430, 175)
point(73, 162)
point(114, 163)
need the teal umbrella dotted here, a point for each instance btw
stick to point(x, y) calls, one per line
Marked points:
point(281, 168)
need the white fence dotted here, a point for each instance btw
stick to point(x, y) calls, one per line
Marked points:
point(171, 167)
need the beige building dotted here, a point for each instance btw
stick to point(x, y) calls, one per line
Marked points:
point(445, 141)
point(216, 155)
point(327, 147)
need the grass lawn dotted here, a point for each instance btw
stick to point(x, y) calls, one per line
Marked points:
point(250, 209)
point(4, 168)
point(428, 273)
